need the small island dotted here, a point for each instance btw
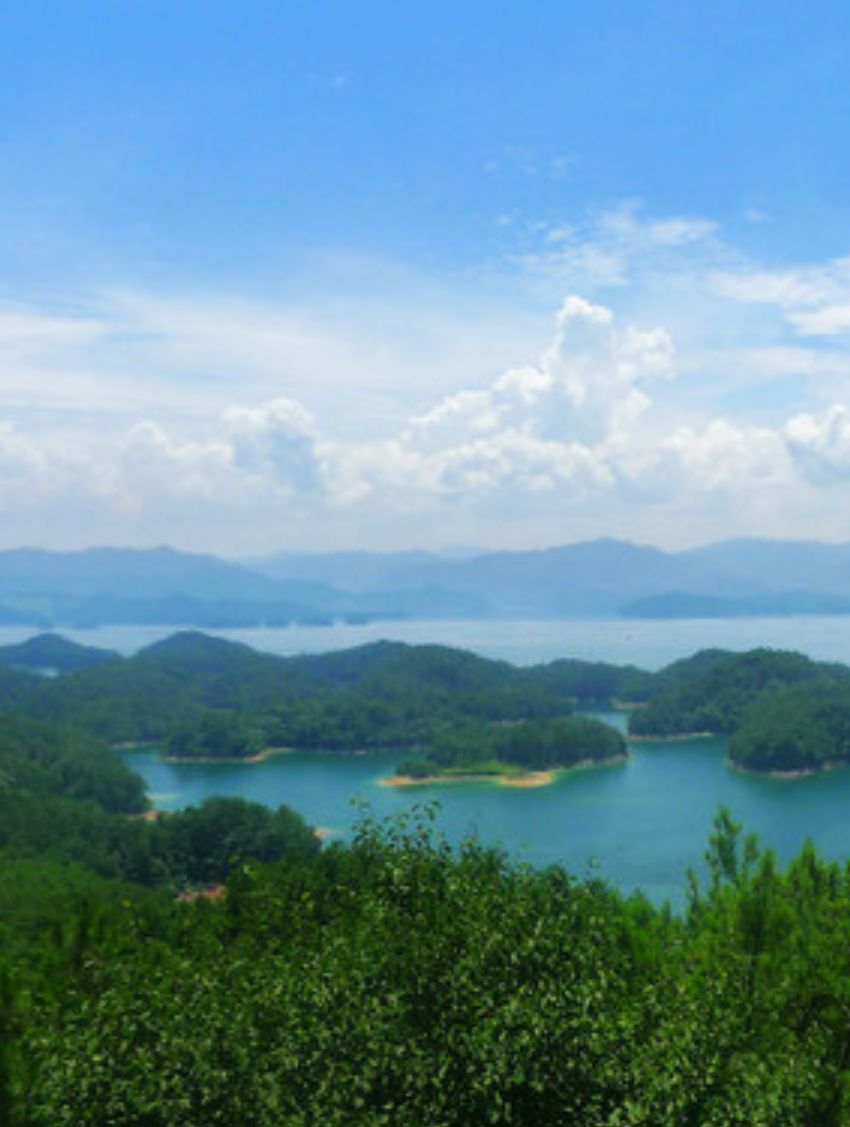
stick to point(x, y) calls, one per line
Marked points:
point(784, 714)
point(523, 753)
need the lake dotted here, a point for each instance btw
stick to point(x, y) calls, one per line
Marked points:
point(639, 825)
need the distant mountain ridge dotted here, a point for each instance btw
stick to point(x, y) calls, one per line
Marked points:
point(606, 578)
point(599, 578)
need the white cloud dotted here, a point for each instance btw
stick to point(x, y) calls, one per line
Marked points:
point(276, 442)
point(580, 425)
point(557, 421)
point(820, 445)
point(613, 247)
point(528, 162)
point(814, 299)
point(397, 415)
point(726, 457)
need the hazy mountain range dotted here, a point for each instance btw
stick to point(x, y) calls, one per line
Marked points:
point(600, 578)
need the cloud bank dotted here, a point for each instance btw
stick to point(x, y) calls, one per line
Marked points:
point(684, 393)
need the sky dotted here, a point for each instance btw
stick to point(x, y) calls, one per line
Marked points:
point(280, 275)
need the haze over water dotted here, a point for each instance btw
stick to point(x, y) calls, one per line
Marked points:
point(648, 643)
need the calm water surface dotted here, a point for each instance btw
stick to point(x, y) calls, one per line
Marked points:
point(639, 824)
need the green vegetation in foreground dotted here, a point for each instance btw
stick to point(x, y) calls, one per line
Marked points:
point(511, 750)
point(398, 982)
point(68, 798)
point(394, 980)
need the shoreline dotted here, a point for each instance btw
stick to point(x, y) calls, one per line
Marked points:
point(259, 757)
point(527, 779)
point(789, 774)
point(683, 738)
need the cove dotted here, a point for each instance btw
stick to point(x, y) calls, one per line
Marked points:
point(638, 824)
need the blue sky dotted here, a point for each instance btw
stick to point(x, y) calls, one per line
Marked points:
point(291, 275)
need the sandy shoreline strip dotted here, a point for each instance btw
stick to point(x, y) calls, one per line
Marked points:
point(531, 779)
point(795, 773)
point(525, 780)
point(260, 757)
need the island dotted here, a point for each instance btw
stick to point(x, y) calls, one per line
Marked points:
point(447, 712)
point(525, 753)
point(783, 713)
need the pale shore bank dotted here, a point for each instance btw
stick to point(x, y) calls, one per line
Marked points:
point(525, 780)
point(684, 738)
point(260, 757)
point(797, 773)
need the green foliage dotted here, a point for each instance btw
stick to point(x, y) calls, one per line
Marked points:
point(397, 981)
point(43, 759)
point(216, 734)
point(55, 653)
point(795, 727)
point(782, 711)
point(208, 697)
point(593, 680)
point(712, 691)
point(66, 797)
point(534, 745)
point(203, 843)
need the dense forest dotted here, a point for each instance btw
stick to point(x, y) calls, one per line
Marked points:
point(66, 796)
point(203, 697)
point(531, 745)
point(781, 710)
point(397, 981)
point(218, 965)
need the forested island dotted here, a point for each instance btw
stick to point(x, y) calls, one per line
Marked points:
point(783, 713)
point(524, 752)
point(446, 711)
point(199, 697)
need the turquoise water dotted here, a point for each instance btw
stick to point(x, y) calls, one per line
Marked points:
point(639, 824)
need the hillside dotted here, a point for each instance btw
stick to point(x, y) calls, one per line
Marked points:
point(600, 578)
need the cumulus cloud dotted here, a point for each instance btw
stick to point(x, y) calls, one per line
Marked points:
point(579, 425)
point(723, 456)
point(385, 414)
point(277, 442)
point(820, 445)
point(560, 422)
